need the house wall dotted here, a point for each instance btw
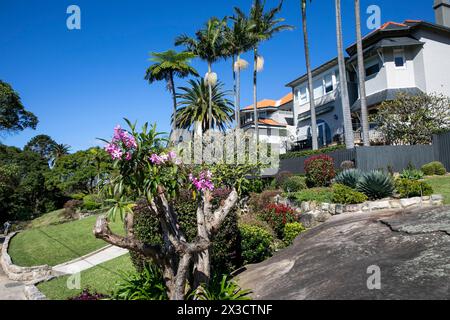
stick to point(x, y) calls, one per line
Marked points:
point(400, 77)
point(377, 82)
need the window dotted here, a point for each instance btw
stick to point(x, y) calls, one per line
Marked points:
point(269, 132)
point(303, 95)
point(328, 83)
point(290, 121)
point(373, 69)
point(318, 88)
point(399, 59)
point(263, 115)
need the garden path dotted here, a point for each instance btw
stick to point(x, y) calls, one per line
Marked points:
point(10, 290)
point(91, 260)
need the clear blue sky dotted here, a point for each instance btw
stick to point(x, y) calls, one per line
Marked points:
point(81, 83)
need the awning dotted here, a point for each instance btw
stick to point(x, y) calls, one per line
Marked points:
point(319, 111)
point(384, 95)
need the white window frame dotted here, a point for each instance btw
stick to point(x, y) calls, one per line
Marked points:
point(325, 84)
point(399, 53)
point(306, 100)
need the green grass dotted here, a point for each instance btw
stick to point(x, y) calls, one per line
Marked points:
point(102, 279)
point(441, 185)
point(55, 244)
point(321, 195)
point(52, 218)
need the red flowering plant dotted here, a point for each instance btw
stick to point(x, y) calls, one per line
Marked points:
point(319, 171)
point(277, 216)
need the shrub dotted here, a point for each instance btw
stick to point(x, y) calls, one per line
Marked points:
point(434, 168)
point(281, 178)
point(225, 252)
point(259, 201)
point(413, 188)
point(277, 216)
point(87, 295)
point(347, 165)
point(294, 184)
point(292, 231)
point(300, 154)
point(256, 244)
point(376, 185)
point(77, 196)
point(91, 203)
point(319, 171)
point(349, 178)
point(346, 195)
point(71, 207)
point(412, 174)
point(320, 195)
point(221, 289)
point(145, 285)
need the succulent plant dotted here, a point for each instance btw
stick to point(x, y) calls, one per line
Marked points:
point(349, 177)
point(376, 185)
point(412, 174)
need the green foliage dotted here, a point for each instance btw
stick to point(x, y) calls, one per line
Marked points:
point(308, 153)
point(281, 178)
point(429, 114)
point(13, 116)
point(145, 285)
point(346, 195)
point(277, 216)
point(319, 171)
point(292, 231)
point(43, 145)
point(349, 178)
point(256, 244)
point(221, 289)
point(412, 174)
point(319, 195)
point(376, 185)
point(92, 203)
point(294, 184)
point(236, 176)
point(169, 64)
point(412, 188)
point(259, 201)
point(434, 169)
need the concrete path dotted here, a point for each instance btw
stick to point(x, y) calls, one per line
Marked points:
point(10, 290)
point(91, 260)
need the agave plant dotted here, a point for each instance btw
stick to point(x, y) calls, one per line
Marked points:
point(223, 290)
point(376, 185)
point(349, 177)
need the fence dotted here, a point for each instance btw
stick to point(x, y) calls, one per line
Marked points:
point(383, 157)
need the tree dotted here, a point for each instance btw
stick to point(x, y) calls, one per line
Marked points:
point(158, 179)
point(58, 151)
point(208, 45)
point(265, 26)
point(413, 119)
point(238, 39)
point(315, 142)
point(194, 105)
point(362, 77)
point(13, 116)
point(168, 65)
point(42, 145)
point(348, 127)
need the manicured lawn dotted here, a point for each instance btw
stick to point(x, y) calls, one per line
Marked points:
point(441, 185)
point(55, 244)
point(50, 218)
point(102, 278)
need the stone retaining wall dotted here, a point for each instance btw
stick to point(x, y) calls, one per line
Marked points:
point(313, 213)
point(24, 274)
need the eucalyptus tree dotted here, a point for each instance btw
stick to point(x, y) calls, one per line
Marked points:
point(194, 106)
point(361, 76)
point(168, 65)
point(315, 143)
point(265, 26)
point(348, 128)
point(208, 45)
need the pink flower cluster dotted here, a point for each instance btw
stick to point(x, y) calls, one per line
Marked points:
point(203, 182)
point(164, 158)
point(121, 145)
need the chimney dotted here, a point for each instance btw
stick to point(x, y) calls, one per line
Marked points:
point(442, 11)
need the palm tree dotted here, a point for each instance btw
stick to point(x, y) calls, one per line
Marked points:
point(348, 127)
point(265, 26)
point(238, 39)
point(167, 66)
point(194, 106)
point(58, 151)
point(315, 143)
point(208, 45)
point(362, 77)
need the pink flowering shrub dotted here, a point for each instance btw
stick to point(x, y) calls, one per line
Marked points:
point(122, 145)
point(203, 182)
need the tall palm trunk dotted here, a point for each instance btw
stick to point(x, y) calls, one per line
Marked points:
point(315, 143)
point(348, 127)
point(210, 117)
point(238, 93)
point(174, 97)
point(255, 93)
point(362, 77)
point(236, 110)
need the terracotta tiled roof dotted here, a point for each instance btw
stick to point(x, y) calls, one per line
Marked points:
point(266, 103)
point(271, 122)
